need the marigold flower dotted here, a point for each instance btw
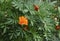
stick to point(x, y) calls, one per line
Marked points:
point(57, 27)
point(36, 7)
point(23, 20)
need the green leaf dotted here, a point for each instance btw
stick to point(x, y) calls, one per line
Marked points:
point(4, 31)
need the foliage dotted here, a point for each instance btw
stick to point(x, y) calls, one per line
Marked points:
point(41, 23)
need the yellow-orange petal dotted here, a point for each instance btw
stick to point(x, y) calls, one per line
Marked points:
point(23, 20)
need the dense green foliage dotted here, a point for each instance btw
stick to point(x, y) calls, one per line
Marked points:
point(41, 23)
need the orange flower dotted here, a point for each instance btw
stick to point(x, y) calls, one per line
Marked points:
point(23, 20)
point(36, 7)
point(57, 27)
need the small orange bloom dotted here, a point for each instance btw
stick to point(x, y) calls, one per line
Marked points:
point(57, 27)
point(23, 20)
point(36, 7)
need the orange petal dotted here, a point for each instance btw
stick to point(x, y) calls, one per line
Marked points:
point(23, 20)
